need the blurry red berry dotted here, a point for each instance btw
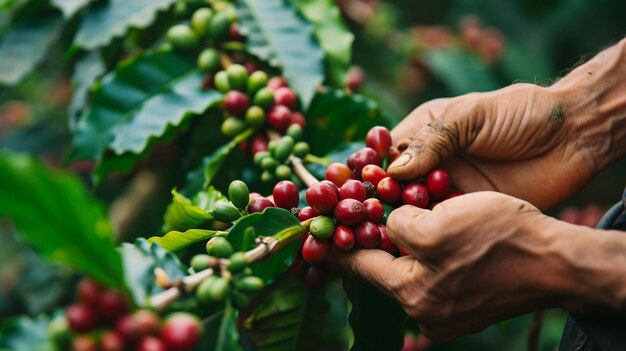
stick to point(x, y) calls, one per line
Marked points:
point(374, 210)
point(297, 118)
point(570, 215)
point(111, 341)
point(353, 189)
point(389, 190)
point(285, 96)
point(258, 204)
point(151, 343)
point(83, 343)
point(349, 212)
point(181, 332)
point(276, 82)
point(113, 305)
point(379, 139)
point(286, 195)
point(339, 173)
point(89, 291)
point(82, 318)
point(148, 322)
point(355, 79)
point(233, 33)
point(322, 197)
point(236, 102)
point(314, 278)
point(385, 243)
point(307, 213)
point(315, 250)
point(279, 118)
point(343, 238)
point(452, 194)
point(367, 235)
point(259, 143)
point(415, 194)
point(438, 183)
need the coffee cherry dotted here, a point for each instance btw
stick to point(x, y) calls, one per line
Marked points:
point(236, 102)
point(379, 139)
point(415, 194)
point(147, 322)
point(89, 291)
point(349, 212)
point(209, 60)
point(221, 81)
point(151, 343)
point(452, 194)
point(202, 262)
point(233, 126)
point(84, 343)
point(286, 195)
point(385, 243)
point(283, 172)
point(373, 174)
point(370, 189)
point(250, 284)
point(181, 332)
point(315, 250)
point(355, 79)
point(255, 117)
point(294, 131)
point(182, 37)
point(374, 210)
point(234, 34)
point(284, 147)
point(256, 81)
point(389, 190)
point(269, 163)
point(438, 183)
point(267, 176)
point(201, 21)
point(224, 211)
point(322, 198)
point(259, 143)
point(128, 328)
point(301, 149)
point(113, 305)
point(307, 213)
point(332, 185)
point(212, 289)
point(219, 246)
point(279, 117)
point(264, 98)
point(314, 278)
point(286, 97)
point(111, 341)
point(352, 189)
point(82, 318)
point(237, 76)
point(237, 262)
point(339, 173)
point(362, 158)
point(297, 118)
point(343, 238)
point(238, 193)
point(367, 235)
point(220, 26)
point(322, 227)
point(259, 204)
point(276, 82)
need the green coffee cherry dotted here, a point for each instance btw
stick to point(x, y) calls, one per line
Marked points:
point(238, 193)
point(209, 60)
point(221, 81)
point(264, 98)
point(250, 284)
point(201, 21)
point(255, 117)
point(267, 176)
point(283, 172)
point(218, 246)
point(240, 300)
point(237, 262)
point(237, 76)
point(284, 147)
point(301, 149)
point(256, 81)
point(182, 37)
point(225, 212)
point(271, 146)
point(233, 126)
point(202, 262)
point(212, 289)
point(260, 156)
point(294, 131)
point(269, 164)
point(322, 227)
point(220, 26)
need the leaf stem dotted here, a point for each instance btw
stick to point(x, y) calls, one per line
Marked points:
point(316, 159)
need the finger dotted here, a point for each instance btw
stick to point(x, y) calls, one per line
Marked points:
point(415, 230)
point(418, 118)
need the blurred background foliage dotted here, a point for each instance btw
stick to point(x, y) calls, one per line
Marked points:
point(409, 51)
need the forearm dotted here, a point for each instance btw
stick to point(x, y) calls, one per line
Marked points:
point(594, 101)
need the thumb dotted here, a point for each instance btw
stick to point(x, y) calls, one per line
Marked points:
point(415, 230)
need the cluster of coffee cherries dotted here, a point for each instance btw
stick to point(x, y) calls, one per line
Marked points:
point(102, 320)
point(275, 160)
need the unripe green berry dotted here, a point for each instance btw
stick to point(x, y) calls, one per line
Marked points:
point(233, 126)
point(218, 246)
point(269, 164)
point(301, 149)
point(260, 156)
point(237, 262)
point(250, 284)
point(220, 26)
point(294, 131)
point(225, 212)
point(209, 60)
point(221, 81)
point(201, 21)
point(284, 147)
point(283, 172)
point(237, 76)
point(202, 262)
point(267, 176)
point(255, 117)
point(182, 37)
point(212, 289)
point(256, 81)
point(264, 98)
point(271, 146)
point(239, 194)
point(322, 227)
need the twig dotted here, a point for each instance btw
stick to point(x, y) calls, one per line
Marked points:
point(534, 331)
point(302, 172)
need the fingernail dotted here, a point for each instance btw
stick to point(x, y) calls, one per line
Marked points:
point(401, 161)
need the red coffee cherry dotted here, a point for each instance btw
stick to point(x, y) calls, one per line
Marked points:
point(298, 118)
point(286, 97)
point(82, 318)
point(355, 79)
point(349, 212)
point(128, 328)
point(332, 185)
point(147, 322)
point(386, 243)
point(367, 235)
point(343, 238)
point(279, 118)
point(276, 82)
point(379, 139)
point(374, 210)
point(113, 305)
point(259, 143)
point(373, 174)
point(315, 250)
point(151, 343)
point(89, 291)
point(181, 332)
point(353, 189)
point(389, 190)
point(234, 35)
point(394, 154)
point(415, 194)
point(259, 204)
point(236, 102)
point(84, 343)
point(338, 173)
point(362, 158)
point(307, 213)
point(286, 195)
point(111, 341)
point(314, 278)
point(322, 197)
point(452, 194)
point(438, 183)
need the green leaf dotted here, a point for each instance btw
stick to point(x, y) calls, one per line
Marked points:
point(26, 44)
point(25, 334)
point(215, 161)
point(183, 214)
point(140, 260)
point(332, 34)
point(270, 222)
point(53, 211)
point(222, 333)
point(69, 7)
point(86, 71)
point(174, 241)
point(460, 71)
point(277, 34)
point(110, 19)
